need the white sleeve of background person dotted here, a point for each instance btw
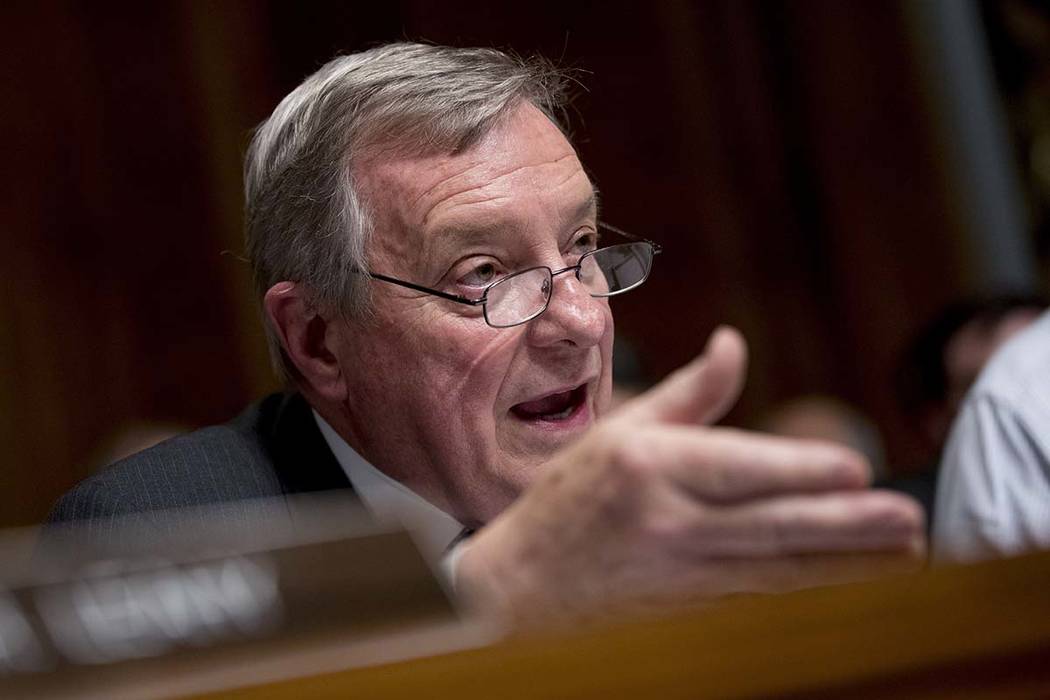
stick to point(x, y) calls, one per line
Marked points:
point(993, 494)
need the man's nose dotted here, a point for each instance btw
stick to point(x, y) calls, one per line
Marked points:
point(573, 316)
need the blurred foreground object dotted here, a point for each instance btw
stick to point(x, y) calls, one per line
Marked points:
point(952, 631)
point(194, 600)
point(994, 493)
point(975, 631)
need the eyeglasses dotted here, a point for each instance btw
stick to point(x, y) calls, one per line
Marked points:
point(522, 296)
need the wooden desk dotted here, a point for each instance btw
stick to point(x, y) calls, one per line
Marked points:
point(982, 631)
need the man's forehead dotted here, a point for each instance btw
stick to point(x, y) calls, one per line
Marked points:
point(523, 138)
point(524, 158)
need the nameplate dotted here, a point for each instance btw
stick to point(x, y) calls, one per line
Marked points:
point(198, 590)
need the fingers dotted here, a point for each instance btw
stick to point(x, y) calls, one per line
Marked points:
point(862, 521)
point(724, 465)
point(700, 392)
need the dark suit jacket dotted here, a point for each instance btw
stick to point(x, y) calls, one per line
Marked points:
point(272, 449)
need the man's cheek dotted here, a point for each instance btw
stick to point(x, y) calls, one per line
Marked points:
point(452, 400)
point(478, 364)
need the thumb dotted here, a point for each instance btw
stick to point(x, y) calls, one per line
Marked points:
point(701, 391)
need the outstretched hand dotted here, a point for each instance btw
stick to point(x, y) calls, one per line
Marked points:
point(655, 507)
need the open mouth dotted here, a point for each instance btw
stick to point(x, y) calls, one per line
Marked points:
point(553, 408)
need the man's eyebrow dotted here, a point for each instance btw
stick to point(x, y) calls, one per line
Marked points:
point(475, 232)
point(460, 234)
point(448, 239)
point(467, 233)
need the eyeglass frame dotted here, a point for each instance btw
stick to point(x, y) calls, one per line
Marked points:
point(656, 250)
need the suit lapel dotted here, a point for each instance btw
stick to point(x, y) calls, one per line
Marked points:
point(301, 456)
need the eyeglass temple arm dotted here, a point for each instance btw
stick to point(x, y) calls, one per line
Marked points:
point(427, 290)
point(657, 248)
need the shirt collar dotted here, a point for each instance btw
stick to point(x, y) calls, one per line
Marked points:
point(391, 501)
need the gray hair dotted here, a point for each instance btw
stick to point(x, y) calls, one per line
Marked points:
point(305, 219)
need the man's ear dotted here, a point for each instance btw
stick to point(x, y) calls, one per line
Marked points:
point(306, 336)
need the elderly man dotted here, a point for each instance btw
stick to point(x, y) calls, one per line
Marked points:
point(435, 283)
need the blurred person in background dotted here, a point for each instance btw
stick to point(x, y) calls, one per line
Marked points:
point(993, 497)
point(435, 281)
point(940, 365)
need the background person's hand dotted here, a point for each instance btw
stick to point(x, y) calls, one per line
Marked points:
point(653, 507)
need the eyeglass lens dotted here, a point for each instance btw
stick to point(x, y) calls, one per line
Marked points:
point(604, 272)
point(517, 298)
point(616, 269)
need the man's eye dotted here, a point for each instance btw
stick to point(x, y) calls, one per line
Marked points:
point(480, 275)
point(586, 242)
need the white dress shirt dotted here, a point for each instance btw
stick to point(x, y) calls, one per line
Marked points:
point(392, 502)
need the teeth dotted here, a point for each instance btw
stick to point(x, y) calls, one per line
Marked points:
point(560, 415)
point(542, 409)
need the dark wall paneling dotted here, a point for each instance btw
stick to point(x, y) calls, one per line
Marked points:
point(780, 150)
